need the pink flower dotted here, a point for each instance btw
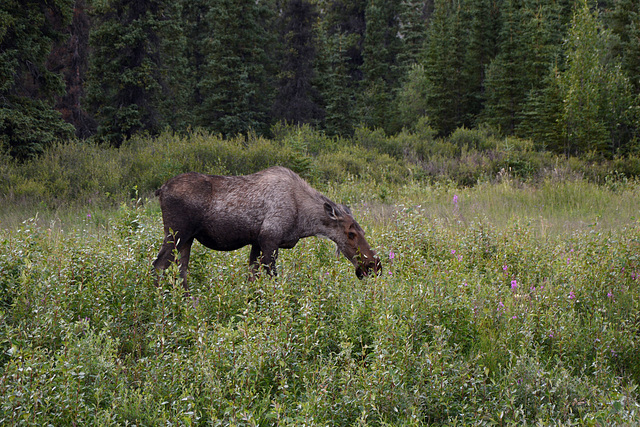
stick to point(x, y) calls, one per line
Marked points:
point(514, 285)
point(504, 268)
point(572, 295)
point(455, 199)
point(609, 294)
point(453, 251)
point(392, 255)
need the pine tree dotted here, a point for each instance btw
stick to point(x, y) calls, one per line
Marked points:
point(297, 99)
point(237, 76)
point(28, 122)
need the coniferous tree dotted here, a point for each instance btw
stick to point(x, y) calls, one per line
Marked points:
point(380, 69)
point(624, 22)
point(237, 78)
point(335, 84)
point(28, 122)
point(530, 38)
point(409, 98)
point(597, 96)
point(483, 23)
point(505, 90)
point(297, 99)
point(413, 32)
point(346, 20)
point(445, 87)
point(134, 83)
point(71, 57)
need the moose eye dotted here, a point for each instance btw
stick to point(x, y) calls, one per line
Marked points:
point(352, 235)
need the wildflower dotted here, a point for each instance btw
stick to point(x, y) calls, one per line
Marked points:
point(89, 215)
point(455, 199)
point(504, 268)
point(572, 295)
point(453, 251)
point(500, 306)
point(514, 285)
point(392, 255)
point(609, 294)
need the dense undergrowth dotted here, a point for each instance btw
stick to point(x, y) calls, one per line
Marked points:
point(498, 305)
point(508, 297)
point(95, 176)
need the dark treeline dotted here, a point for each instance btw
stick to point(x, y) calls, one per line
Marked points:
point(563, 73)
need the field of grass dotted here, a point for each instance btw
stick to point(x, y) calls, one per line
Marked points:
point(501, 304)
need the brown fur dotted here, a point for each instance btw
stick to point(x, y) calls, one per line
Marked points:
point(268, 210)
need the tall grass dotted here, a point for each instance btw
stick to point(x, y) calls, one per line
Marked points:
point(76, 176)
point(500, 304)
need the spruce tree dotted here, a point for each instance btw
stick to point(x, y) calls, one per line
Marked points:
point(529, 42)
point(297, 99)
point(380, 69)
point(483, 24)
point(335, 84)
point(134, 77)
point(237, 73)
point(505, 88)
point(341, 36)
point(445, 87)
point(28, 122)
point(412, 32)
point(71, 56)
point(624, 22)
point(597, 95)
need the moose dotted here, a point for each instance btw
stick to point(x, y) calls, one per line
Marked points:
point(268, 210)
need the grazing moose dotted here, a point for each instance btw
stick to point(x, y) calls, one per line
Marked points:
point(268, 210)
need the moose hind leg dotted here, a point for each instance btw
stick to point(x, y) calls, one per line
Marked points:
point(254, 262)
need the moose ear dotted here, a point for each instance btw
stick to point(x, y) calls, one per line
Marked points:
point(331, 211)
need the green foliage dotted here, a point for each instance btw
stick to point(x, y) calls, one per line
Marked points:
point(136, 74)
point(235, 85)
point(497, 305)
point(598, 103)
point(28, 122)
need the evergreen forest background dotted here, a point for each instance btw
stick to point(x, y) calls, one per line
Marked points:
point(564, 74)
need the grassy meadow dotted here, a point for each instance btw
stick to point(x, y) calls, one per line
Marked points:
point(512, 301)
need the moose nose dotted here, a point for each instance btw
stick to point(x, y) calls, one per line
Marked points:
point(364, 271)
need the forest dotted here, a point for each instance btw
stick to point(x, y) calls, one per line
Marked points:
point(564, 74)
